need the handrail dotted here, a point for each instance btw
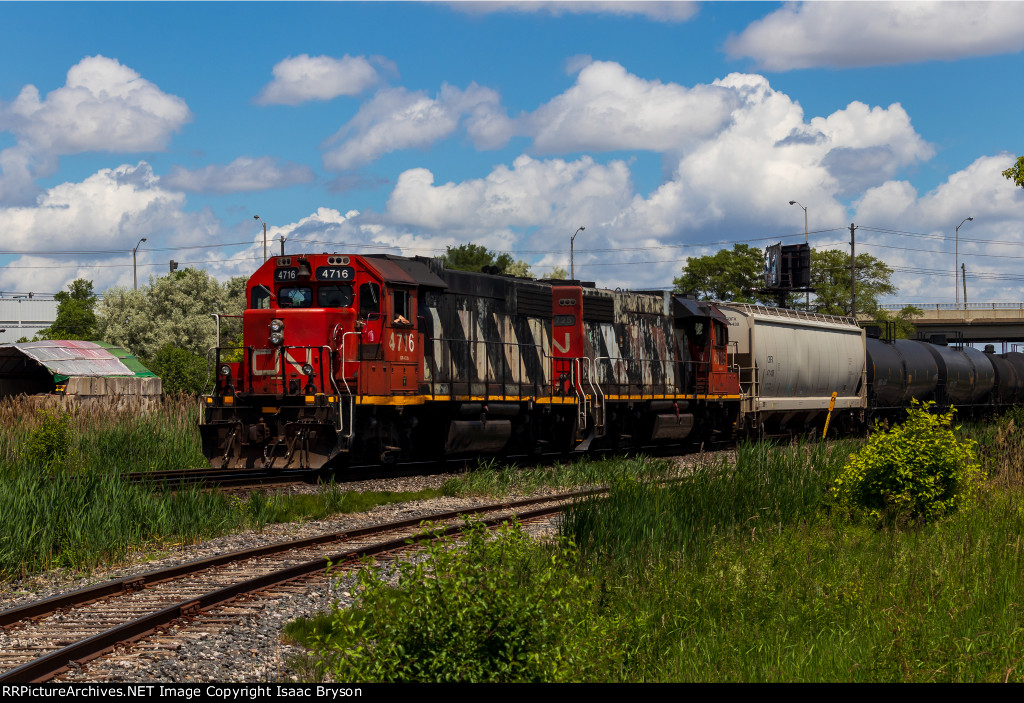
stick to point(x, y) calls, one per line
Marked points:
point(348, 390)
point(954, 306)
point(792, 314)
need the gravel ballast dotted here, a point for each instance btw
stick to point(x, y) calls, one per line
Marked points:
point(250, 651)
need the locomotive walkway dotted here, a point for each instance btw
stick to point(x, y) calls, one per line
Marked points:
point(978, 322)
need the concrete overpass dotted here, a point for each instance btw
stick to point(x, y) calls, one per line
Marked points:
point(978, 322)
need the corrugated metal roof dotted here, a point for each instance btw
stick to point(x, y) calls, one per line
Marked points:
point(64, 358)
point(128, 359)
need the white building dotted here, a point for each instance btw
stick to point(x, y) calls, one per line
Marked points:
point(21, 316)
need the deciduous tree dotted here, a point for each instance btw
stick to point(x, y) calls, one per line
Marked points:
point(76, 313)
point(473, 257)
point(1016, 172)
point(728, 275)
point(175, 309)
point(830, 277)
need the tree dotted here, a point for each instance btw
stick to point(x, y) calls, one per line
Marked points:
point(173, 309)
point(902, 324)
point(473, 257)
point(830, 278)
point(557, 274)
point(76, 313)
point(729, 275)
point(1016, 172)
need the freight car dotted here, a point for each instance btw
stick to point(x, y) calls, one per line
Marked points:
point(377, 359)
point(975, 382)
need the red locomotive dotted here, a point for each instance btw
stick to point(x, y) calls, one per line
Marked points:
point(382, 358)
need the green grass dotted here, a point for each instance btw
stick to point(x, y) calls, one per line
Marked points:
point(744, 573)
point(129, 438)
point(495, 479)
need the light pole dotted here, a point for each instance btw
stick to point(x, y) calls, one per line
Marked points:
point(956, 268)
point(806, 241)
point(572, 257)
point(135, 272)
point(257, 217)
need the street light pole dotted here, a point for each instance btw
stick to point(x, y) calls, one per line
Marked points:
point(135, 272)
point(257, 217)
point(806, 241)
point(572, 258)
point(956, 267)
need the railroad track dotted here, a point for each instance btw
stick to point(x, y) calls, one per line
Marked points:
point(43, 639)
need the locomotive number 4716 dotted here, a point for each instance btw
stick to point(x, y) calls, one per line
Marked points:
point(335, 273)
point(402, 341)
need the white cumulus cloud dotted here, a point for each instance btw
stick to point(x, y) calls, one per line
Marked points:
point(609, 108)
point(849, 34)
point(299, 79)
point(244, 174)
point(531, 193)
point(107, 213)
point(103, 106)
point(399, 119)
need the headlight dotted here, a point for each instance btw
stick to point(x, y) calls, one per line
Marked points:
point(225, 370)
point(307, 369)
point(276, 338)
point(277, 325)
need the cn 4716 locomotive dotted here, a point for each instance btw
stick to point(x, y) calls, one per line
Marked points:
point(376, 359)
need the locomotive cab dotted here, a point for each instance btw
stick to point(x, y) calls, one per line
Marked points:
point(702, 334)
point(319, 331)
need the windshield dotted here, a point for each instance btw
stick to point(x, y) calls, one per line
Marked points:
point(295, 297)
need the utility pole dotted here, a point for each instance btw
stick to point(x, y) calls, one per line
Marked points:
point(963, 268)
point(282, 245)
point(853, 274)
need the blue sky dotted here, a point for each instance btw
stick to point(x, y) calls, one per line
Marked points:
point(668, 130)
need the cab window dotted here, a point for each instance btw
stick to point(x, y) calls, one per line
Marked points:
point(401, 307)
point(369, 299)
point(334, 297)
point(295, 297)
point(259, 298)
point(721, 336)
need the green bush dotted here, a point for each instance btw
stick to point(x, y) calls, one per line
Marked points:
point(917, 470)
point(50, 444)
point(180, 370)
point(482, 612)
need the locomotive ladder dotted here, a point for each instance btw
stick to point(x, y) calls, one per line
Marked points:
point(587, 406)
